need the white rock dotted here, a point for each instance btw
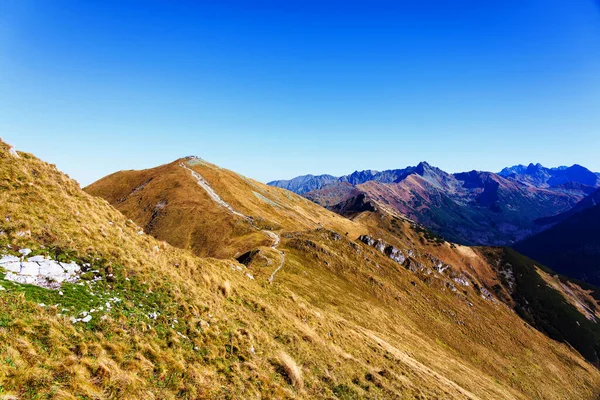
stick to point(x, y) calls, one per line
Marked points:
point(25, 252)
point(2, 288)
point(30, 268)
point(12, 266)
point(11, 276)
point(71, 268)
point(9, 259)
point(86, 319)
point(462, 281)
point(36, 259)
point(52, 270)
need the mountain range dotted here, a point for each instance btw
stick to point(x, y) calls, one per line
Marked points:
point(191, 281)
point(540, 176)
point(473, 208)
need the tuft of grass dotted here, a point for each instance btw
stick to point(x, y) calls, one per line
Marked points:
point(225, 288)
point(292, 370)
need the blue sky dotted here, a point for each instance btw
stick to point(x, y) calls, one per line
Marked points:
point(275, 89)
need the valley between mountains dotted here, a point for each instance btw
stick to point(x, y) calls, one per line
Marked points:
point(191, 281)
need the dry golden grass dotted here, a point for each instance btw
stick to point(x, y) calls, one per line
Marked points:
point(226, 288)
point(188, 218)
point(293, 372)
point(360, 325)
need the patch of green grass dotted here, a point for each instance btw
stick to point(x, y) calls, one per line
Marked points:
point(345, 392)
point(135, 300)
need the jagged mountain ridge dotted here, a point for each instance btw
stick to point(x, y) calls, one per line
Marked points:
point(471, 207)
point(306, 183)
point(535, 174)
point(540, 176)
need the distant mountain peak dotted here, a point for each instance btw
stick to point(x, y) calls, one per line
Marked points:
point(535, 167)
point(540, 176)
point(422, 167)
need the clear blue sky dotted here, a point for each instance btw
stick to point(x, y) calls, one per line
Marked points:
point(275, 89)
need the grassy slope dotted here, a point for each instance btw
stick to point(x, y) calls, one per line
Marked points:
point(347, 293)
point(128, 355)
point(192, 220)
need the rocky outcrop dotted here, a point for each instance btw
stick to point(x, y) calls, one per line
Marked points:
point(393, 253)
point(427, 266)
point(390, 251)
point(38, 270)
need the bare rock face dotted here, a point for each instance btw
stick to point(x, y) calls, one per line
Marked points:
point(395, 254)
point(368, 240)
point(390, 251)
point(462, 280)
